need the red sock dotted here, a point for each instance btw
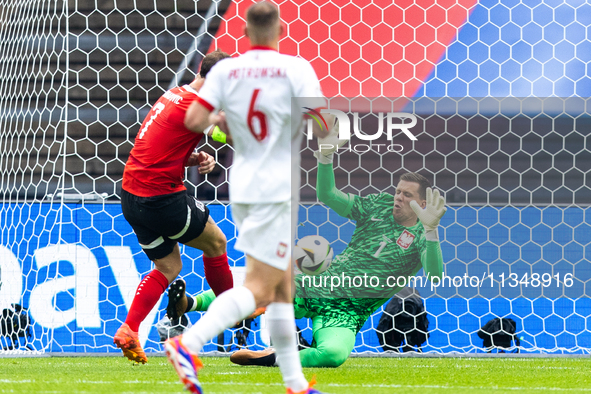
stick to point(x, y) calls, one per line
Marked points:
point(218, 274)
point(146, 296)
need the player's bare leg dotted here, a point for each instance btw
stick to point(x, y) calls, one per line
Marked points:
point(212, 242)
point(231, 306)
point(280, 323)
point(179, 302)
point(264, 285)
point(258, 290)
point(265, 357)
point(170, 266)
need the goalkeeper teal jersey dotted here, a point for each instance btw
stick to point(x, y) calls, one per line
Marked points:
point(380, 249)
point(379, 252)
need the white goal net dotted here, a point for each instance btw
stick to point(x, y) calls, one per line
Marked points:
point(78, 77)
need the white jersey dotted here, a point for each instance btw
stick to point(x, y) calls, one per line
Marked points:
point(255, 90)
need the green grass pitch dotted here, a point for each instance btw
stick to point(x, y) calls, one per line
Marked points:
point(357, 376)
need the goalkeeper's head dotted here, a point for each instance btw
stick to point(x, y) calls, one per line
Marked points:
point(263, 26)
point(412, 186)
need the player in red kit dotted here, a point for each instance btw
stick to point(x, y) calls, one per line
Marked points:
point(155, 202)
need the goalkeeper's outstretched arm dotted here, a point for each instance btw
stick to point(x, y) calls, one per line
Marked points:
point(328, 193)
point(326, 189)
point(431, 258)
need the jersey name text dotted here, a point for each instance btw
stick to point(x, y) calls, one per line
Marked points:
point(175, 98)
point(257, 72)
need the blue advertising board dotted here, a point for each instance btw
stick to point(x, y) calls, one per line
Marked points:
point(76, 267)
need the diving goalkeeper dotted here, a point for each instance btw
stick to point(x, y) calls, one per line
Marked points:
point(394, 236)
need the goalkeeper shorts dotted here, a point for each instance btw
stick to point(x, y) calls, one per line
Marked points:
point(162, 221)
point(329, 313)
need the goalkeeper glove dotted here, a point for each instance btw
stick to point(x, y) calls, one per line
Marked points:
point(329, 144)
point(432, 214)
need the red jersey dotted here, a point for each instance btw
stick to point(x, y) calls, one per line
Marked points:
point(156, 164)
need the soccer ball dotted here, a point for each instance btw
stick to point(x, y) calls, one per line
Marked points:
point(313, 254)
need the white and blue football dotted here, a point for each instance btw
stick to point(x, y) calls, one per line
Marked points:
point(313, 254)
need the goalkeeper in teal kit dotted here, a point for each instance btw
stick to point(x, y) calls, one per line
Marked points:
point(394, 236)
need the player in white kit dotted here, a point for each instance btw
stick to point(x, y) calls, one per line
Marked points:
point(256, 90)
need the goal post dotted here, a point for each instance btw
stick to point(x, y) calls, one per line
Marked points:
point(499, 93)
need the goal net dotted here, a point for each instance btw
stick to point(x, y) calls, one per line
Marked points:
point(77, 79)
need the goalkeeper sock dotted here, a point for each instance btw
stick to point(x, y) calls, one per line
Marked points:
point(201, 302)
point(146, 296)
point(231, 306)
point(218, 274)
point(281, 326)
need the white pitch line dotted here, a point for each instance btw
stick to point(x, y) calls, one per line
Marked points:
point(410, 386)
point(435, 386)
point(14, 381)
point(231, 373)
point(88, 382)
point(406, 386)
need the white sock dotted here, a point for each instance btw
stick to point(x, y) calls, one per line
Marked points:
point(225, 311)
point(281, 326)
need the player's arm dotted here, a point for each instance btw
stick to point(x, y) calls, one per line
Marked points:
point(431, 258)
point(201, 113)
point(197, 118)
point(328, 193)
point(326, 189)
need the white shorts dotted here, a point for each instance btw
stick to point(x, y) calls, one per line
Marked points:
point(265, 232)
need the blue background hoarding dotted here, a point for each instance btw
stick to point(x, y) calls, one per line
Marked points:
point(80, 265)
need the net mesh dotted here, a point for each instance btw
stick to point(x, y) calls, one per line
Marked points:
point(78, 78)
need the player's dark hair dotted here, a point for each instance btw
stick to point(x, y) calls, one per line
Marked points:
point(210, 60)
point(262, 16)
point(417, 178)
